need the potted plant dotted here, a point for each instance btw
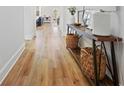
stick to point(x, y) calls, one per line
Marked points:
point(72, 11)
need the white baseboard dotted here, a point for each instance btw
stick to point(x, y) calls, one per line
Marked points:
point(9, 65)
point(29, 37)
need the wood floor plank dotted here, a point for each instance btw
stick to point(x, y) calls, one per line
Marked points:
point(46, 61)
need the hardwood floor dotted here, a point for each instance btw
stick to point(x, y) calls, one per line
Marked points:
point(46, 61)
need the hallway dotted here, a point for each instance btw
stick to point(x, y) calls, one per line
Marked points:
point(46, 61)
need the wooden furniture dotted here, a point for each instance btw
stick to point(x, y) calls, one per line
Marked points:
point(101, 39)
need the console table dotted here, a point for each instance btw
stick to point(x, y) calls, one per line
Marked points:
point(96, 38)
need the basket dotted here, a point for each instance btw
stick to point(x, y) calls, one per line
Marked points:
point(87, 63)
point(72, 41)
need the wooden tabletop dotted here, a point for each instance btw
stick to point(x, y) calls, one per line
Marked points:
point(95, 37)
point(108, 38)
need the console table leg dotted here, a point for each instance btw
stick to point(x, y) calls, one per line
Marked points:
point(114, 64)
point(68, 30)
point(95, 63)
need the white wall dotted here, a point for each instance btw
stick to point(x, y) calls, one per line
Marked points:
point(61, 24)
point(118, 30)
point(29, 22)
point(66, 19)
point(105, 8)
point(11, 36)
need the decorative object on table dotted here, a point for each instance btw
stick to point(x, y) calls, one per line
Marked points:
point(72, 11)
point(101, 24)
point(82, 17)
point(88, 65)
point(72, 41)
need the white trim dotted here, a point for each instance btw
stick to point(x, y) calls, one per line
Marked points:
point(11, 62)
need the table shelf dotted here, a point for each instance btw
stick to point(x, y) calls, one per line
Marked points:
point(76, 55)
